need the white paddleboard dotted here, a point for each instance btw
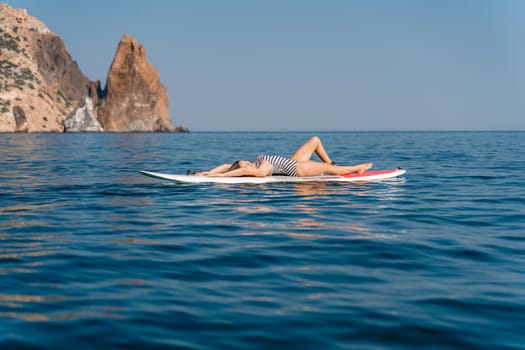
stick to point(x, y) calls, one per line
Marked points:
point(367, 176)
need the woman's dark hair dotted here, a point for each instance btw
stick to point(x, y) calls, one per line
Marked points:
point(235, 165)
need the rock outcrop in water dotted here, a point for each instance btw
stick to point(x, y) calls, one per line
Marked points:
point(42, 89)
point(134, 98)
point(83, 118)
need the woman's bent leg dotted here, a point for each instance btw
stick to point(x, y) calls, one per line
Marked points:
point(341, 170)
point(313, 145)
point(312, 168)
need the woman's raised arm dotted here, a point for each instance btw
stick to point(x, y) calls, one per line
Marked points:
point(261, 171)
point(215, 171)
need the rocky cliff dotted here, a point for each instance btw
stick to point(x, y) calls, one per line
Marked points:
point(43, 89)
point(39, 82)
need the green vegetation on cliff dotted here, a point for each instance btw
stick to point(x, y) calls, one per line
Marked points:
point(9, 42)
point(14, 76)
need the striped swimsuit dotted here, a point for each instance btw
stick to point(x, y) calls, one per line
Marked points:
point(281, 165)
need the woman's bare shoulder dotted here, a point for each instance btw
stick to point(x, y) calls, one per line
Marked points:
point(264, 169)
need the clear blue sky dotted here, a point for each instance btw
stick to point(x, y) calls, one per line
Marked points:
point(314, 65)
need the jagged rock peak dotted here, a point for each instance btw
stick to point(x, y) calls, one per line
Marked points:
point(134, 98)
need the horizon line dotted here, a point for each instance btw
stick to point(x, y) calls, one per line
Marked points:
point(341, 131)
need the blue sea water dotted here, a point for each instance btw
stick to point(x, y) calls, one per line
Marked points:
point(94, 255)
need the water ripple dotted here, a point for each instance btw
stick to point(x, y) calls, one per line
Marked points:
point(93, 255)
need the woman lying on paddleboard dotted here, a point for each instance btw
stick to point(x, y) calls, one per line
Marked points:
point(299, 164)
